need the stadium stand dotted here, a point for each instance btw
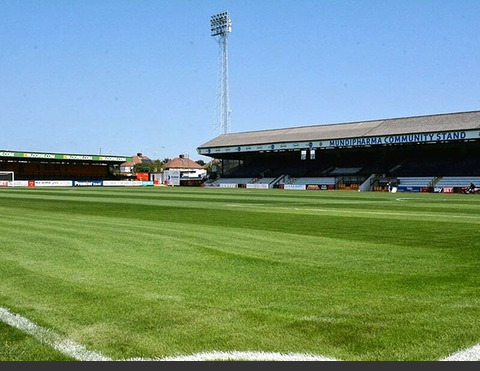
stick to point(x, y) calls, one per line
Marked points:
point(52, 171)
point(370, 155)
point(262, 180)
point(345, 171)
point(57, 166)
point(232, 181)
point(315, 181)
point(415, 181)
point(458, 181)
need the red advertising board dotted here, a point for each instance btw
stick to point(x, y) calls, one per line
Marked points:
point(31, 183)
point(142, 176)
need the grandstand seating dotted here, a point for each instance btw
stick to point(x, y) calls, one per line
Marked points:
point(415, 181)
point(232, 181)
point(412, 165)
point(315, 181)
point(286, 179)
point(449, 166)
point(345, 170)
point(263, 180)
point(463, 181)
point(64, 171)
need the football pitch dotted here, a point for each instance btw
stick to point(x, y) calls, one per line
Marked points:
point(165, 273)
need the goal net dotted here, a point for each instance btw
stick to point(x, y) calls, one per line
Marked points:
point(6, 177)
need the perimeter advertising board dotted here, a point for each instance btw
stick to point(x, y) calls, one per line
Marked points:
point(257, 186)
point(20, 183)
point(88, 183)
point(227, 185)
point(53, 183)
point(298, 187)
point(172, 177)
point(122, 183)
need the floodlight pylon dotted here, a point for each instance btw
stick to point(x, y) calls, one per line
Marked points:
point(221, 26)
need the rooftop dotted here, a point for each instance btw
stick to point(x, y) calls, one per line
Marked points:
point(394, 126)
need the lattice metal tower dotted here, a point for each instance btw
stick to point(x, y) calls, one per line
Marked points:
point(221, 26)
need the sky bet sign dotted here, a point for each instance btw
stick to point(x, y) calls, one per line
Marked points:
point(352, 142)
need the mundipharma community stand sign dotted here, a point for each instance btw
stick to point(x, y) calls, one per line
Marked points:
point(66, 157)
point(405, 139)
point(350, 142)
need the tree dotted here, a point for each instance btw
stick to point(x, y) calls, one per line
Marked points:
point(200, 162)
point(143, 168)
point(214, 169)
point(157, 166)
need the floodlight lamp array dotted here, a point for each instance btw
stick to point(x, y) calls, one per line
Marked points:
point(221, 24)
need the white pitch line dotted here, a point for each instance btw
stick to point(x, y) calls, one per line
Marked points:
point(241, 356)
point(387, 213)
point(80, 353)
point(244, 205)
point(355, 212)
point(470, 354)
point(51, 338)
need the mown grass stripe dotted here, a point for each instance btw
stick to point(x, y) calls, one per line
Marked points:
point(171, 276)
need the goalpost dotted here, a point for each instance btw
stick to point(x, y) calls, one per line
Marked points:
point(6, 177)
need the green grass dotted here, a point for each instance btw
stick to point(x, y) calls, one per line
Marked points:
point(174, 271)
point(16, 346)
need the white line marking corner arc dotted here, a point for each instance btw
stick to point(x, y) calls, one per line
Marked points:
point(79, 352)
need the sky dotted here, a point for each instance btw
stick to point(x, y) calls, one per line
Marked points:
point(120, 77)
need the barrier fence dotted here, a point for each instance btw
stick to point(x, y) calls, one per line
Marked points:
point(79, 183)
point(139, 183)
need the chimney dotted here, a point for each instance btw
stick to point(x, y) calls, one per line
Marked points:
point(182, 156)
